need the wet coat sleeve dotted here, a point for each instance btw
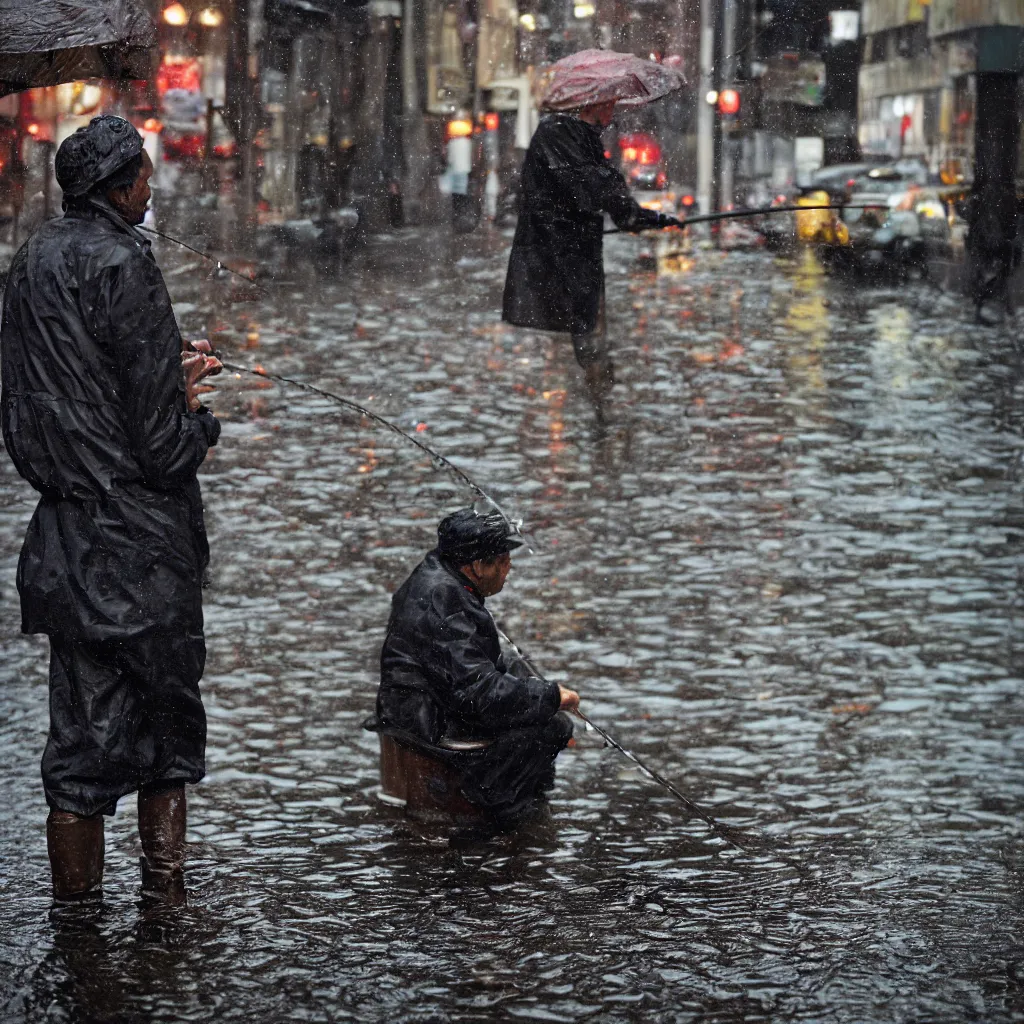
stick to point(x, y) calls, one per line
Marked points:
point(589, 184)
point(168, 441)
point(476, 688)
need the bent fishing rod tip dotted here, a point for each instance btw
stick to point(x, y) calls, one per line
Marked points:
point(219, 263)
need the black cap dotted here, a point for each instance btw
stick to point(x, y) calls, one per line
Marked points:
point(94, 152)
point(467, 535)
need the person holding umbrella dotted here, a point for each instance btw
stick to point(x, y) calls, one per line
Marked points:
point(555, 279)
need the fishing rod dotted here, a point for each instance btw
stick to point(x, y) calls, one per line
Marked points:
point(437, 459)
point(206, 256)
point(726, 832)
point(742, 839)
point(704, 218)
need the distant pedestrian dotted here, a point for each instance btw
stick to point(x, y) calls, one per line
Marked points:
point(555, 276)
point(993, 245)
point(444, 675)
point(101, 415)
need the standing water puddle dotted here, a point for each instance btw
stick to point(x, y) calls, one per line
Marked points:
point(786, 574)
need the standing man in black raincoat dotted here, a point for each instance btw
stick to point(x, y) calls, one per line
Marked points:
point(101, 415)
point(555, 278)
point(444, 674)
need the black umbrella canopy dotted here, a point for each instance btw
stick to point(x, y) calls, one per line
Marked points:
point(45, 42)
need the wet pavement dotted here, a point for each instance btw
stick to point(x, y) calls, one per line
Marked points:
point(786, 571)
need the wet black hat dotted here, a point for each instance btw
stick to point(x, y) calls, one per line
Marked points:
point(94, 152)
point(467, 535)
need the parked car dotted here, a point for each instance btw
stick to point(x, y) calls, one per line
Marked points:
point(838, 179)
point(640, 161)
point(916, 232)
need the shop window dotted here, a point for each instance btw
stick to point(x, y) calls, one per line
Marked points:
point(912, 40)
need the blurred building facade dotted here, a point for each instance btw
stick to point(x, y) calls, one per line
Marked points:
point(796, 66)
point(302, 106)
point(941, 80)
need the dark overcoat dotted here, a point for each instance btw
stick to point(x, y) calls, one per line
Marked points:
point(445, 674)
point(555, 279)
point(442, 669)
point(95, 418)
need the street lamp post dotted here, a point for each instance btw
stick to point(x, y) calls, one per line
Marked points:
point(705, 110)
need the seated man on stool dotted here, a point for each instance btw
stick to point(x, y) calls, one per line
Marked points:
point(445, 677)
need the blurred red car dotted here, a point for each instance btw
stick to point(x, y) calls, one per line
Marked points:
point(641, 163)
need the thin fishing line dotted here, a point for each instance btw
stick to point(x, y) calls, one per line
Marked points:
point(742, 838)
point(220, 265)
point(723, 831)
point(437, 459)
point(719, 828)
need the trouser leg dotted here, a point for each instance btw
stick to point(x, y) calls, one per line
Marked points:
point(162, 831)
point(75, 848)
point(593, 354)
point(516, 769)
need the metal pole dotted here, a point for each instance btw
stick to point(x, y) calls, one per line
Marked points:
point(415, 152)
point(727, 79)
point(705, 112)
point(247, 33)
point(410, 86)
point(716, 85)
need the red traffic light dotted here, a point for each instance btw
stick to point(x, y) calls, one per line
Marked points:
point(729, 102)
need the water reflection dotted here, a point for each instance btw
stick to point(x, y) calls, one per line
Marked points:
point(787, 575)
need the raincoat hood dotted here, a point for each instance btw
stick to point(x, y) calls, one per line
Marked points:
point(94, 152)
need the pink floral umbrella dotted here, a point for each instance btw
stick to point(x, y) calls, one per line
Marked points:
point(597, 76)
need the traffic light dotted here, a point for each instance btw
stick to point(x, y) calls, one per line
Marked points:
point(729, 103)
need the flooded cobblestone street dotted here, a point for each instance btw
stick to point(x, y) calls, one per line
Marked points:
point(786, 570)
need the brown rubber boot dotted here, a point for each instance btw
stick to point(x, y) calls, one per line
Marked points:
point(75, 846)
point(162, 831)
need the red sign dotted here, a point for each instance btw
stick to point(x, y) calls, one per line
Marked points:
point(179, 73)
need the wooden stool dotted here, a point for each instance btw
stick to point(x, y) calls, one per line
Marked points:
point(426, 788)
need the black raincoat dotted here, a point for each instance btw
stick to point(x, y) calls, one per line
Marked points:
point(444, 675)
point(94, 416)
point(555, 278)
